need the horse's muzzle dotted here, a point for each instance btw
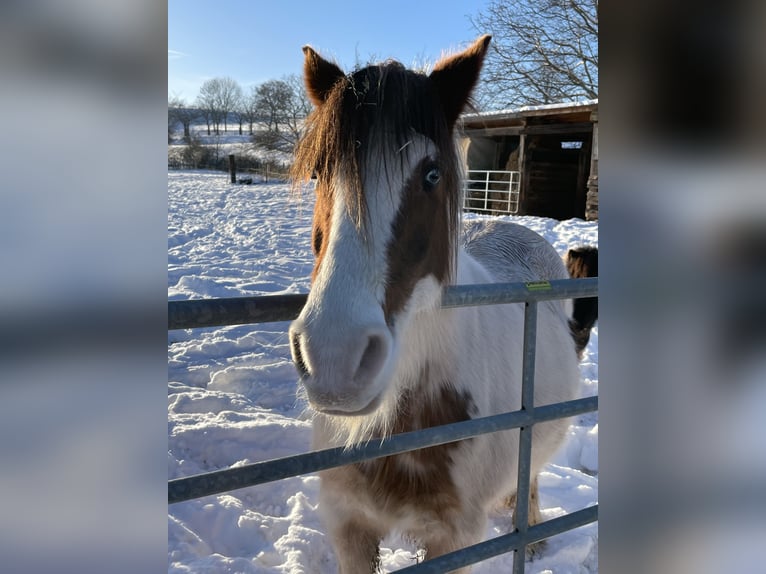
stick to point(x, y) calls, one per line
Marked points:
point(342, 369)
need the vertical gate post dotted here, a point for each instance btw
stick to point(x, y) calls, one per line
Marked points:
point(521, 512)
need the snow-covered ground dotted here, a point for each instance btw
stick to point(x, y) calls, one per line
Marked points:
point(232, 394)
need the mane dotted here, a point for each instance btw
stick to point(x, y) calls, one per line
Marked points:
point(383, 103)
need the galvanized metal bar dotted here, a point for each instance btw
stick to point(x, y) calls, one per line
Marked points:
point(521, 512)
point(502, 293)
point(198, 313)
point(196, 486)
point(528, 357)
point(503, 544)
point(486, 190)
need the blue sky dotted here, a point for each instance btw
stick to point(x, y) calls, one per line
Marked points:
point(257, 40)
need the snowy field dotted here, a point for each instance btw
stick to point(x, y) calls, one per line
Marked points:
point(232, 394)
point(227, 142)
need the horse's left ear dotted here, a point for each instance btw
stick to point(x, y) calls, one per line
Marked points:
point(320, 75)
point(455, 77)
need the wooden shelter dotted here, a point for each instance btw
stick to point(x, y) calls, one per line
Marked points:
point(554, 147)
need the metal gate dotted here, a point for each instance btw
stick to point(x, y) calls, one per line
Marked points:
point(491, 191)
point(243, 310)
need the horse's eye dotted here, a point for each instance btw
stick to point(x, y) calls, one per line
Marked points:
point(432, 177)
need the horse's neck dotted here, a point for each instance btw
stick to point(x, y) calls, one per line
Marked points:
point(431, 342)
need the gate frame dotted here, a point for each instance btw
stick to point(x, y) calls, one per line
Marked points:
point(475, 178)
point(245, 310)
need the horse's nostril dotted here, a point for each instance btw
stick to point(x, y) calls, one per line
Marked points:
point(295, 340)
point(373, 357)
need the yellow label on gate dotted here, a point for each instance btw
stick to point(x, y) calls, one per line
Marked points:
point(538, 286)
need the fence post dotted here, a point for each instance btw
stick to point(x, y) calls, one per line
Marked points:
point(232, 168)
point(521, 512)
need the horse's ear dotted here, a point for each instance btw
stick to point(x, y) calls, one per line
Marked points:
point(455, 77)
point(320, 75)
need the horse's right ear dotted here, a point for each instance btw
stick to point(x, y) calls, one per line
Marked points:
point(320, 76)
point(455, 76)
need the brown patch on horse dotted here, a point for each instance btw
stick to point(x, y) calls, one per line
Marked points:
point(583, 262)
point(320, 232)
point(420, 478)
point(422, 235)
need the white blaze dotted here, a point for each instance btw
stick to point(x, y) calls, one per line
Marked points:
point(342, 334)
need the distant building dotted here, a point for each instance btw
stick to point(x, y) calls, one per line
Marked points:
point(554, 147)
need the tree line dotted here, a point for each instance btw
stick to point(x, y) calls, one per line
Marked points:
point(271, 112)
point(542, 52)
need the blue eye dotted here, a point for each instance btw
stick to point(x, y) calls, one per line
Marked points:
point(433, 176)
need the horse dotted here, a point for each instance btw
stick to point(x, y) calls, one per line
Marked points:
point(375, 353)
point(583, 262)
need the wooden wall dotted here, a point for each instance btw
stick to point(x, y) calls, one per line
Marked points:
point(554, 178)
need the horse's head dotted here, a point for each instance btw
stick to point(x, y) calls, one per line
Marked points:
point(380, 142)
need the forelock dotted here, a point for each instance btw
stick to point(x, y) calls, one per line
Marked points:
point(377, 106)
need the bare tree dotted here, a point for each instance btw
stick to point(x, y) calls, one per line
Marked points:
point(208, 103)
point(282, 105)
point(299, 106)
point(272, 101)
point(218, 97)
point(542, 51)
point(229, 94)
point(248, 109)
point(180, 112)
point(240, 113)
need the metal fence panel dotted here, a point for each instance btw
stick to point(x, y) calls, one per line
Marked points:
point(208, 313)
point(491, 191)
